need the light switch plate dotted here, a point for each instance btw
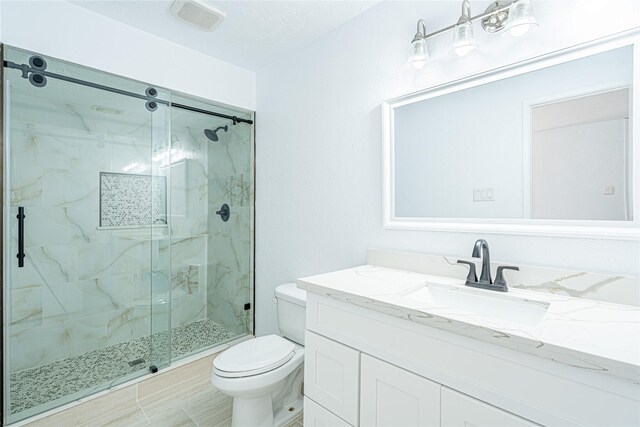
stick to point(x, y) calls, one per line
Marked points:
point(486, 194)
point(609, 190)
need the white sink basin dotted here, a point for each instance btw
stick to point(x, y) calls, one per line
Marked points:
point(478, 303)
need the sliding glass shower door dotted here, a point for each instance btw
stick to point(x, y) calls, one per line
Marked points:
point(127, 230)
point(211, 226)
point(87, 280)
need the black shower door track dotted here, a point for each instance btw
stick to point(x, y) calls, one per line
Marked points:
point(26, 69)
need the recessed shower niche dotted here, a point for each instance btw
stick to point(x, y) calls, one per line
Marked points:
point(125, 198)
point(126, 266)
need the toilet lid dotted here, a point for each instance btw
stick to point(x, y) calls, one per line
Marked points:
point(254, 357)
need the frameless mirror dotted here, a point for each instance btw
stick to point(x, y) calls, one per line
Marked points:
point(550, 144)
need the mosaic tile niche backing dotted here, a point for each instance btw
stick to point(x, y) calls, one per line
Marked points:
point(129, 200)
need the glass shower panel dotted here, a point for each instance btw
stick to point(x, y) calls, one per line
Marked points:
point(160, 241)
point(212, 259)
point(88, 308)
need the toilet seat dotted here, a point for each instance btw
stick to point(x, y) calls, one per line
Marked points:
point(254, 357)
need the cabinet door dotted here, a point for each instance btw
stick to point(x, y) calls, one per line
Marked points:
point(332, 376)
point(316, 416)
point(460, 410)
point(393, 397)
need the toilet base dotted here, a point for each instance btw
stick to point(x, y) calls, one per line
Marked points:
point(286, 414)
point(252, 412)
point(258, 412)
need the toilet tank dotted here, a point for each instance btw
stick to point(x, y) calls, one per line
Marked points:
point(291, 303)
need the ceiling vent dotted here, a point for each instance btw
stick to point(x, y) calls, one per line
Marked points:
point(198, 13)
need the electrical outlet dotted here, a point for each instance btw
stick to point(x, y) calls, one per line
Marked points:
point(609, 190)
point(486, 194)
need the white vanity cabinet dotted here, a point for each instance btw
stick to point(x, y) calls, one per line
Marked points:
point(339, 380)
point(332, 376)
point(366, 368)
point(317, 416)
point(459, 410)
point(393, 397)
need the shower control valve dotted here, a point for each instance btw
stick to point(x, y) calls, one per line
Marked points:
point(224, 212)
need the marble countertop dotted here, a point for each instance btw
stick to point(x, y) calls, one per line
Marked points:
point(587, 334)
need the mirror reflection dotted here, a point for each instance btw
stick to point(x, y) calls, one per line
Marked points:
point(551, 144)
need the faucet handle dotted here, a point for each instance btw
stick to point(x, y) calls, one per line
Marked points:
point(471, 277)
point(500, 280)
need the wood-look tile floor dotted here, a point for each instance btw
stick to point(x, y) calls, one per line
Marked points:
point(181, 397)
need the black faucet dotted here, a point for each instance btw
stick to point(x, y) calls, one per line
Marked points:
point(485, 281)
point(485, 275)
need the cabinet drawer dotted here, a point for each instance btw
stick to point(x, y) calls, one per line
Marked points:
point(460, 410)
point(316, 416)
point(393, 397)
point(332, 376)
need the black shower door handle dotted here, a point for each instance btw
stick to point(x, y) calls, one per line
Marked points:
point(20, 255)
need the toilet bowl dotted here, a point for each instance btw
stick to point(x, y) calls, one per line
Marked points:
point(264, 375)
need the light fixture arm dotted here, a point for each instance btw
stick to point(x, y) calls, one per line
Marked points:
point(503, 6)
point(421, 30)
point(465, 16)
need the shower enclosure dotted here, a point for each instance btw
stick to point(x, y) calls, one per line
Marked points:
point(127, 230)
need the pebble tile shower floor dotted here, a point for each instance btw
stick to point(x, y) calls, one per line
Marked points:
point(46, 383)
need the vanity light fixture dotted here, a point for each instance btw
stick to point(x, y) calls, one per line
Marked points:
point(463, 39)
point(514, 15)
point(521, 18)
point(419, 53)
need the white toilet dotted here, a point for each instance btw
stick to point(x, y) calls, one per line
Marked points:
point(264, 375)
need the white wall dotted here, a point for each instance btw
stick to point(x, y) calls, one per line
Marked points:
point(66, 31)
point(319, 149)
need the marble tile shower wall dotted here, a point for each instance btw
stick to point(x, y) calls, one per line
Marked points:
point(82, 287)
point(230, 243)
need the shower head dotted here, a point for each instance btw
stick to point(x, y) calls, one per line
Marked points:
point(213, 134)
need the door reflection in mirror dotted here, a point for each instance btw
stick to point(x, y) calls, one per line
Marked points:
point(580, 158)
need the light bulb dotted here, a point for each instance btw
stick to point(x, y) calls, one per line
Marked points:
point(463, 39)
point(419, 54)
point(521, 18)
